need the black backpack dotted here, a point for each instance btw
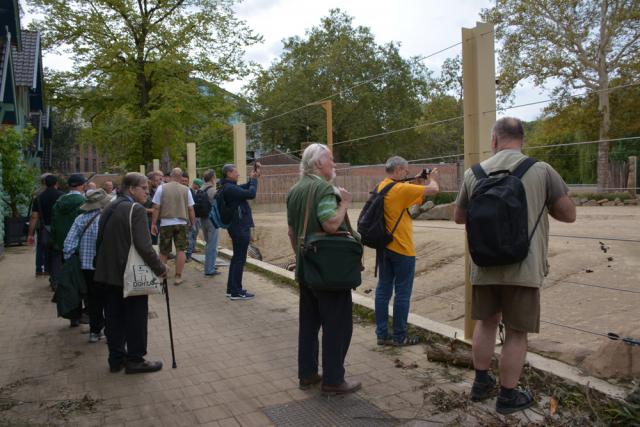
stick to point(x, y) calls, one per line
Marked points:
point(201, 203)
point(497, 221)
point(371, 226)
point(222, 214)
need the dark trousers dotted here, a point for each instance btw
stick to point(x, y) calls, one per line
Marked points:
point(94, 302)
point(332, 311)
point(41, 266)
point(126, 326)
point(240, 237)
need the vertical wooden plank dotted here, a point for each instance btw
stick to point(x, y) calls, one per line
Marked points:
point(191, 162)
point(240, 151)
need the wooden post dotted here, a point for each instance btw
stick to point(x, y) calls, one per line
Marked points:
point(633, 173)
point(156, 164)
point(191, 162)
point(328, 107)
point(143, 169)
point(479, 82)
point(240, 151)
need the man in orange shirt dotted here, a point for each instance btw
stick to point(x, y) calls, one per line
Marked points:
point(397, 262)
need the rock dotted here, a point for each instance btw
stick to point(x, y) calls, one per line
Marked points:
point(577, 201)
point(631, 202)
point(609, 203)
point(439, 212)
point(590, 203)
point(620, 203)
point(416, 210)
point(615, 358)
point(583, 201)
point(617, 200)
point(602, 201)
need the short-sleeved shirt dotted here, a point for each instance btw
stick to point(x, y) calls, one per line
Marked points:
point(543, 187)
point(400, 197)
point(157, 198)
point(43, 204)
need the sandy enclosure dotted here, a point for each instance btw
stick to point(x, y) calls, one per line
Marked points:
point(439, 284)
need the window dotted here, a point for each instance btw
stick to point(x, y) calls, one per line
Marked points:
point(86, 164)
point(77, 164)
point(95, 165)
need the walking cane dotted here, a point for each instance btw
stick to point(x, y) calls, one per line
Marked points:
point(166, 294)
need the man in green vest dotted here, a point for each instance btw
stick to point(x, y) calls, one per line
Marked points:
point(329, 309)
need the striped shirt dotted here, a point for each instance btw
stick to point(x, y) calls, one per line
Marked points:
point(88, 242)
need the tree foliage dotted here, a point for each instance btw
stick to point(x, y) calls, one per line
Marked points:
point(139, 68)
point(18, 177)
point(372, 88)
point(580, 44)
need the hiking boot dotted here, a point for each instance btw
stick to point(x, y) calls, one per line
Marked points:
point(519, 400)
point(482, 390)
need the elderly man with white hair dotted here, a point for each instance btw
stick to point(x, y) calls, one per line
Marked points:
point(327, 210)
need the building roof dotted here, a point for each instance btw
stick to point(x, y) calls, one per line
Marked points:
point(10, 18)
point(26, 62)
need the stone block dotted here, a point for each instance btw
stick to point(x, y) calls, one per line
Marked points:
point(439, 212)
point(590, 203)
point(602, 201)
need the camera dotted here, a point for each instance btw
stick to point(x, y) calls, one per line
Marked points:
point(425, 173)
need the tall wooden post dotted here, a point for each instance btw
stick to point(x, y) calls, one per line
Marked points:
point(143, 169)
point(479, 82)
point(328, 108)
point(191, 161)
point(240, 151)
point(633, 175)
point(156, 164)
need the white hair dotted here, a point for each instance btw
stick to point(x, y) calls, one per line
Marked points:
point(311, 156)
point(393, 163)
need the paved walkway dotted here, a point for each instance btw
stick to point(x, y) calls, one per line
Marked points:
point(235, 359)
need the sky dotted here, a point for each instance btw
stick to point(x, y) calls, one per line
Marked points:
point(421, 27)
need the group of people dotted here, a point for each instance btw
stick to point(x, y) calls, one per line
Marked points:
point(100, 227)
point(508, 293)
point(160, 208)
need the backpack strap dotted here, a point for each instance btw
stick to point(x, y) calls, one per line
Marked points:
point(479, 172)
point(386, 188)
point(523, 167)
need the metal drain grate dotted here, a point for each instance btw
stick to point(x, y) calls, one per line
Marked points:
point(322, 411)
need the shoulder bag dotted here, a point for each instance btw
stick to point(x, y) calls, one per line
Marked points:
point(138, 277)
point(330, 262)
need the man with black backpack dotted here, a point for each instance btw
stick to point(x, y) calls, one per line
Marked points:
point(396, 258)
point(504, 202)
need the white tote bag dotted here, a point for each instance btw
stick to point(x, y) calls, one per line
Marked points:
point(139, 279)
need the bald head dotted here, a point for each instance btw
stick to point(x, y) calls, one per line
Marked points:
point(507, 133)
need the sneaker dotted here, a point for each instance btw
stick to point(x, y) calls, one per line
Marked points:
point(178, 280)
point(95, 337)
point(243, 296)
point(388, 340)
point(483, 390)
point(520, 399)
point(215, 273)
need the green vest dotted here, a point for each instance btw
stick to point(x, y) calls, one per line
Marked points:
point(296, 205)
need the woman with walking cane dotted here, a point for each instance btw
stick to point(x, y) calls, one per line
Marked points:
point(123, 224)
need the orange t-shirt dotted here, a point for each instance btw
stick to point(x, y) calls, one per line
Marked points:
point(399, 198)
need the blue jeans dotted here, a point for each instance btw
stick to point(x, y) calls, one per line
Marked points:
point(395, 274)
point(211, 251)
point(240, 237)
point(192, 235)
point(40, 249)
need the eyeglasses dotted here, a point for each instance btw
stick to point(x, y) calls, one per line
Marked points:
point(144, 187)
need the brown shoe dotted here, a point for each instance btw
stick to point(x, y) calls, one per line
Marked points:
point(306, 383)
point(347, 386)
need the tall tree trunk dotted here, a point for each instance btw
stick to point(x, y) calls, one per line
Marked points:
point(144, 87)
point(603, 101)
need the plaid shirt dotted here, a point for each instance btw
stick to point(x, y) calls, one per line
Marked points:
point(88, 243)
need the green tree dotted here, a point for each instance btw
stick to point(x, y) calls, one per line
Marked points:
point(18, 178)
point(138, 67)
point(582, 44)
point(338, 59)
point(444, 101)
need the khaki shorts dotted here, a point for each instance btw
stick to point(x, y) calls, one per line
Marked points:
point(519, 305)
point(173, 234)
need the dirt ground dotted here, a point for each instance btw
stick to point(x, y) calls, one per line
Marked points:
point(438, 290)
